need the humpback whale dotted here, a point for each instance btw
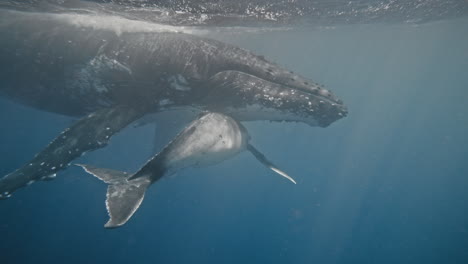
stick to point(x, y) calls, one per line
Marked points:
point(210, 139)
point(110, 78)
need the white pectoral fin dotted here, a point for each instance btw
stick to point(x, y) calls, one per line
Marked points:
point(282, 173)
point(260, 157)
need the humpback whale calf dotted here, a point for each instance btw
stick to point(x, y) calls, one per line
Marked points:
point(110, 78)
point(208, 140)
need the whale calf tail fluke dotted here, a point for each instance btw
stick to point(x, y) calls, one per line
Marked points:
point(123, 197)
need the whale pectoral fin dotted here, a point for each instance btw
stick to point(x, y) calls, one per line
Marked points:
point(260, 157)
point(89, 133)
point(123, 197)
point(233, 83)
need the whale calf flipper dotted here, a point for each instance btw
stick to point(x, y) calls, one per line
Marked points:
point(260, 157)
point(89, 133)
point(123, 197)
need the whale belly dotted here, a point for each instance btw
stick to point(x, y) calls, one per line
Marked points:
point(210, 140)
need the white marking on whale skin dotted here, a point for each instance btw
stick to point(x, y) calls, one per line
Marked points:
point(165, 102)
point(102, 61)
point(178, 82)
point(88, 79)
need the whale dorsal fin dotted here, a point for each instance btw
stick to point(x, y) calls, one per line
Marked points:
point(260, 157)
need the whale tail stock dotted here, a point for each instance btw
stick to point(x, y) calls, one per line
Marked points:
point(123, 197)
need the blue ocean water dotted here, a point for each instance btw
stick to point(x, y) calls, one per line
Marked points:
point(387, 184)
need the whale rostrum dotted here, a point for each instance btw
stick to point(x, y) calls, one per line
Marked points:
point(210, 139)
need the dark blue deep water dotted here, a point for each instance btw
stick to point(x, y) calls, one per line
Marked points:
point(387, 184)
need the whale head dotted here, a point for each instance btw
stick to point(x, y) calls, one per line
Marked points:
point(280, 97)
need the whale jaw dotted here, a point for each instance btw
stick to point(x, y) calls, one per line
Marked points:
point(247, 98)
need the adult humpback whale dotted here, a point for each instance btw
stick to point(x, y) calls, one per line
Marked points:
point(112, 78)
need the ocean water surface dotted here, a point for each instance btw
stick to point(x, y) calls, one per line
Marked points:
point(386, 184)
